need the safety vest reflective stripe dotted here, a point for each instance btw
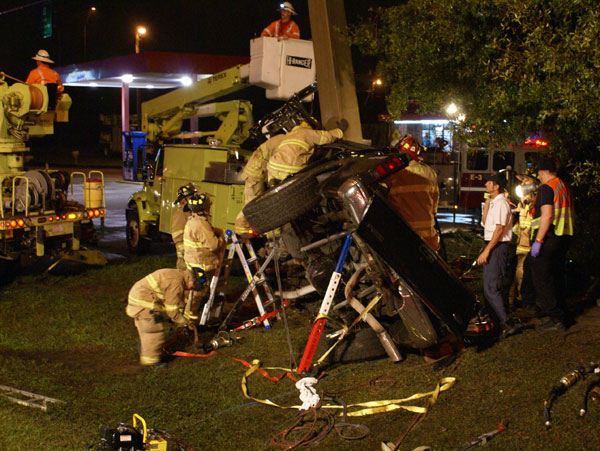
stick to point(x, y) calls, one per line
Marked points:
point(297, 142)
point(141, 303)
point(154, 285)
point(563, 210)
point(288, 169)
point(193, 244)
point(523, 249)
point(43, 81)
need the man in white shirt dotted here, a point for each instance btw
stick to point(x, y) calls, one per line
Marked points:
point(497, 224)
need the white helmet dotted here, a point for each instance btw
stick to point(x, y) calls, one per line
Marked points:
point(43, 56)
point(287, 6)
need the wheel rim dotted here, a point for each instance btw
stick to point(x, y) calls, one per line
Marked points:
point(133, 233)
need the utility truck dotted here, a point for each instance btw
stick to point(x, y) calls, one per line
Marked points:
point(282, 67)
point(39, 212)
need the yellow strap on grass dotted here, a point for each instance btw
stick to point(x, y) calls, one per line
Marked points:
point(370, 407)
point(374, 301)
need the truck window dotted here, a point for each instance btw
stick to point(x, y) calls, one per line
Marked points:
point(477, 160)
point(159, 162)
point(503, 159)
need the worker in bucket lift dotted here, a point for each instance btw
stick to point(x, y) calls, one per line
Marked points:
point(414, 193)
point(179, 219)
point(255, 178)
point(285, 27)
point(155, 299)
point(200, 248)
point(293, 152)
point(43, 74)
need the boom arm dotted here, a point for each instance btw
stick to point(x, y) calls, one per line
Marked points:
point(162, 116)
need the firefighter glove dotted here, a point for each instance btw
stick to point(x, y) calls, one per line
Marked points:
point(536, 247)
point(342, 125)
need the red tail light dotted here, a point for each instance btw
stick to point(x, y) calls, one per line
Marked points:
point(20, 222)
point(13, 223)
point(96, 213)
point(91, 213)
point(388, 167)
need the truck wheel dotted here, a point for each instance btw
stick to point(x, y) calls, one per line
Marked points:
point(136, 243)
point(282, 204)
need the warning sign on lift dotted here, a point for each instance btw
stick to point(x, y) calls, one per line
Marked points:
point(298, 61)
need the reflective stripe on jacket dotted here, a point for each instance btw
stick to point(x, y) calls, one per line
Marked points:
point(523, 230)
point(278, 28)
point(414, 194)
point(257, 163)
point(563, 213)
point(178, 222)
point(161, 291)
point(294, 151)
point(200, 244)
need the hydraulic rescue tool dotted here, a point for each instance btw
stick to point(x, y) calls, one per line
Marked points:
point(136, 437)
point(566, 382)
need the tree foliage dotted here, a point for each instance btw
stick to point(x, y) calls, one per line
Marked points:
point(513, 66)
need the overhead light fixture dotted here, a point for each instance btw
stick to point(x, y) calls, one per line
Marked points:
point(127, 78)
point(185, 81)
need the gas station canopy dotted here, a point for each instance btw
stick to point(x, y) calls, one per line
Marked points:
point(149, 70)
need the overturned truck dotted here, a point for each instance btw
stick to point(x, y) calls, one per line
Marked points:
point(415, 300)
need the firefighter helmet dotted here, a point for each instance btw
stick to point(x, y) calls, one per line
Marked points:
point(411, 146)
point(184, 191)
point(199, 202)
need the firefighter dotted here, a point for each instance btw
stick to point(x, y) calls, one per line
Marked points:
point(414, 193)
point(200, 248)
point(293, 152)
point(179, 219)
point(285, 27)
point(43, 74)
point(551, 233)
point(255, 178)
point(153, 300)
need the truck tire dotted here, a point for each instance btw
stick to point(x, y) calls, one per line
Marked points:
point(136, 243)
point(282, 204)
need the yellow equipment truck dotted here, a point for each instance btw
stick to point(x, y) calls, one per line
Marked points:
point(215, 165)
point(39, 214)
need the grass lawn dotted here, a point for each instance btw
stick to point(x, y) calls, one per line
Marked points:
point(69, 338)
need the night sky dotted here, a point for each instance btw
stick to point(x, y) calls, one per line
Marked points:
point(195, 26)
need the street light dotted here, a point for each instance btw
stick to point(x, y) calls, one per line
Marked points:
point(90, 11)
point(139, 32)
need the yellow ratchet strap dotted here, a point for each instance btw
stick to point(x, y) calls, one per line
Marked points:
point(370, 407)
point(374, 301)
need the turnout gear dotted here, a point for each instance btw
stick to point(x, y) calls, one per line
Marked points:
point(294, 151)
point(255, 178)
point(414, 194)
point(179, 219)
point(200, 244)
point(156, 298)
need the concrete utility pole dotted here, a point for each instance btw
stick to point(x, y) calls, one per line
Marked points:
point(335, 74)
